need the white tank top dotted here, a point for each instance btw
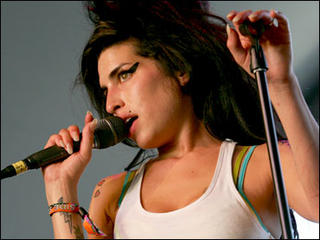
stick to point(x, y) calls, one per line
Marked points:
point(220, 212)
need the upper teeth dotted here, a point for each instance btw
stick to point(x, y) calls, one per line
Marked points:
point(128, 120)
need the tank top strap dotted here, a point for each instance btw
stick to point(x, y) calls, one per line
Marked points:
point(241, 180)
point(237, 164)
point(127, 181)
point(131, 174)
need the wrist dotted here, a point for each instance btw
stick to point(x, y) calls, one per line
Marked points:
point(287, 85)
point(60, 191)
point(63, 207)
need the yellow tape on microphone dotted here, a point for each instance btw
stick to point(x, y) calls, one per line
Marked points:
point(20, 166)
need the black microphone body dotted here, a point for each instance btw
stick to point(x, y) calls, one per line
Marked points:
point(109, 131)
point(253, 29)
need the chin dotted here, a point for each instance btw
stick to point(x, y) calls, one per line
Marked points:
point(146, 142)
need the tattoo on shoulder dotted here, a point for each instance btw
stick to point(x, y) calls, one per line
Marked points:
point(96, 194)
point(101, 182)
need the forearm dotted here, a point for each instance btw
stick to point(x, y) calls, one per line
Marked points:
point(302, 131)
point(65, 224)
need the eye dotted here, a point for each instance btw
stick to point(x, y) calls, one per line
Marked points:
point(125, 75)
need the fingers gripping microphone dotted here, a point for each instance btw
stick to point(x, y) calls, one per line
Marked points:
point(108, 132)
point(253, 29)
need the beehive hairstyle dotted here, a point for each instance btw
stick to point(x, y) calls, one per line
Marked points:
point(184, 37)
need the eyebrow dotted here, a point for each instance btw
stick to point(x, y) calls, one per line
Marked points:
point(114, 71)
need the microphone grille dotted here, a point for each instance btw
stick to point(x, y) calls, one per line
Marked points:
point(109, 131)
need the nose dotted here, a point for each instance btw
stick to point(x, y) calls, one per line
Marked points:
point(113, 101)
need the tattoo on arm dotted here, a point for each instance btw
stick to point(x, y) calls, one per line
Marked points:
point(78, 232)
point(67, 216)
point(101, 182)
point(97, 193)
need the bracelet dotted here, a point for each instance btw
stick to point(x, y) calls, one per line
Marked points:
point(88, 224)
point(63, 207)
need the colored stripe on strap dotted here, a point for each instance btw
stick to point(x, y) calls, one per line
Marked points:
point(127, 181)
point(240, 185)
point(237, 164)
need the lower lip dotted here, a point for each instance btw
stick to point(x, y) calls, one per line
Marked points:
point(132, 128)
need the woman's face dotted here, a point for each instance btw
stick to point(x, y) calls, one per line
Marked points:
point(137, 87)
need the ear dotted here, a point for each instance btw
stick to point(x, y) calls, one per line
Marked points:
point(183, 78)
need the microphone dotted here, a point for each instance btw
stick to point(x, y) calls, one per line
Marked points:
point(109, 131)
point(253, 29)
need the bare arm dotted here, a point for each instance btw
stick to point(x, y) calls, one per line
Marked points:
point(61, 178)
point(104, 204)
point(300, 160)
point(65, 225)
point(302, 156)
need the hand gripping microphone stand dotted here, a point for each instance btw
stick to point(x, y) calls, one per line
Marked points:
point(258, 66)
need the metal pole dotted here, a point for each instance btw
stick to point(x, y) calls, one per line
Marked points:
point(258, 66)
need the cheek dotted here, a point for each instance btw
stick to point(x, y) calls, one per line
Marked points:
point(158, 108)
point(155, 96)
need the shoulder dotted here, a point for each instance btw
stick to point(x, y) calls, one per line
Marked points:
point(260, 157)
point(259, 171)
point(253, 163)
point(104, 201)
point(107, 192)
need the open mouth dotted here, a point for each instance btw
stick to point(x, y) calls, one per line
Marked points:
point(130, 121)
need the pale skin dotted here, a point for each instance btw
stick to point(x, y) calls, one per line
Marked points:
point(187, 153)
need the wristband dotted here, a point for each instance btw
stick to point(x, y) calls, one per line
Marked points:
point(88, 224)
point(63, 207)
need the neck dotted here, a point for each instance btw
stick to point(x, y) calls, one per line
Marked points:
point(191, 138)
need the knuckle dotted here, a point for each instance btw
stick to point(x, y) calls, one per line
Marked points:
point(73, 128)
point(63, 131)
point(74, 132)
point(53, 137)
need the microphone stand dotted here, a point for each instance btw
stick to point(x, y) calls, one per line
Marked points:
point(258, 66)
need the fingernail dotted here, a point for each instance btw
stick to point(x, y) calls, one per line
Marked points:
point(75, 136)
point(230, 14)
point(236, 19)
point(88, 112)
point(94, 124)
point(253, 15)
point(61, 144)
point(69, 149)
point(228, 29)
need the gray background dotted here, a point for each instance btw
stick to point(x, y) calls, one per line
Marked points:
point(41, 45)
